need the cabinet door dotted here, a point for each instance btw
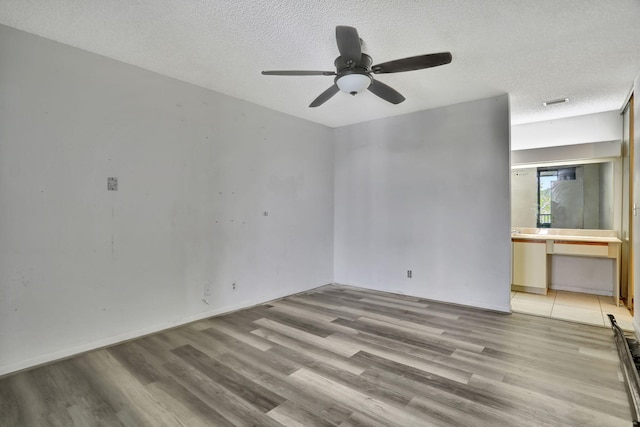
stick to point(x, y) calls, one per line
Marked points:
point(530, 264)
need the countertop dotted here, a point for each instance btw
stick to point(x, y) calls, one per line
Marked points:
point(573, 238)
point(566, 234)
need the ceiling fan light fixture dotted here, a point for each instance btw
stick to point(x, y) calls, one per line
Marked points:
point(353, 83)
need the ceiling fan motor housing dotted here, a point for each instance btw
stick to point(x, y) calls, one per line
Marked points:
point(345, 68)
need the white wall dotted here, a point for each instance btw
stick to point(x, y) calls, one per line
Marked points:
point(605, 126)
point(427, 191)
point(567, 154)
point(82, 267)
point(582, 274)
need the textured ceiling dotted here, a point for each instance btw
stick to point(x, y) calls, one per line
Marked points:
point(586, 50)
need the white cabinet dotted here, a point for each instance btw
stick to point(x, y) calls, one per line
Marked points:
point(529, 268)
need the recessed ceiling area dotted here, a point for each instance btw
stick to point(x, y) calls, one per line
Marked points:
point(584, 50)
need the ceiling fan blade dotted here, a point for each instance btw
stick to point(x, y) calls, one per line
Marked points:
point(413, 63)
point(348, 43)
point(386, 92)
point(325, 96)
point(298, 73)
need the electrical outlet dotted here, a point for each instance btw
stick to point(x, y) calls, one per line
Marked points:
point(112, 183)
point(233, 286)
point(409, 274)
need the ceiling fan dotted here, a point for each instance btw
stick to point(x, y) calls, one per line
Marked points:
point(354, 70)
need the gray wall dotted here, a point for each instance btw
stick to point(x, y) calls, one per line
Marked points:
point(82, 267)
point(428, 192)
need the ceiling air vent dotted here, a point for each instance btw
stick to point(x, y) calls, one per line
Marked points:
point(555, 101)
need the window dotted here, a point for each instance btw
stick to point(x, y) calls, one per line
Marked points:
point(546, 179)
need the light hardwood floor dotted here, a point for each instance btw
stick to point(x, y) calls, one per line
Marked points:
point(336, 356)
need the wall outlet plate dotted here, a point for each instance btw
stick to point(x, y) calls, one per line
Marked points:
point(112, 183)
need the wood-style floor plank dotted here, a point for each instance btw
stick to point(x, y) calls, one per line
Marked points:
point(336, 356)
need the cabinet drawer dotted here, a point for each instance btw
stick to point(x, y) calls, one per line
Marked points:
point(581, 249)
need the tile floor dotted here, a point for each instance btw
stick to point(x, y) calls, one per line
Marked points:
point(576, 307)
